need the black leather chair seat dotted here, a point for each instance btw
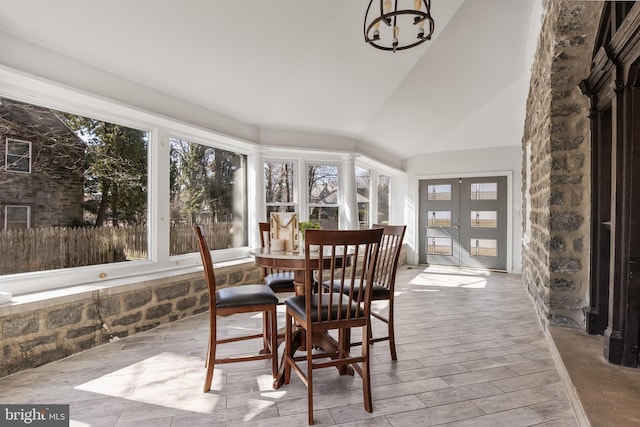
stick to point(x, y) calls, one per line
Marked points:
point(296, 303)
point(280, 282)
point(240, 296)
point(379, 292)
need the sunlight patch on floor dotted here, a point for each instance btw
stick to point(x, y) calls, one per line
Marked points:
point(166, 379)
point(449, 279)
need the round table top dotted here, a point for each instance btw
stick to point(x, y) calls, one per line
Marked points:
point(287, 260)
point(268, 253)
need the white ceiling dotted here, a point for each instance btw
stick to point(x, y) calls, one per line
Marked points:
point(300, 65)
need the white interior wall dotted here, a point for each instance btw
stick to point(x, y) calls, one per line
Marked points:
point(467, 163)
point(500, 120)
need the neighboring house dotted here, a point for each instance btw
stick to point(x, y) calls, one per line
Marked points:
point(41, 168)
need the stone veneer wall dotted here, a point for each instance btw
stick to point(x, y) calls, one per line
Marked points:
point(54, 330)
point(555, 260)
point(30, 338)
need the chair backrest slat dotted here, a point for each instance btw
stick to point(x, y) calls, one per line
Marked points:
point(265, 232)
point(390, 247)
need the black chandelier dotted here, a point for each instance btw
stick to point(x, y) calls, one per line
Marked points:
point(412, 21)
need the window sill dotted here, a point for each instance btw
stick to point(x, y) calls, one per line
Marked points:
point(43, 299)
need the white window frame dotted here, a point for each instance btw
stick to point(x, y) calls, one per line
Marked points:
point(6, 214)
point(161, 128)
point(296, 185)
point(375, 197)
point(375, 173)
point(6, 155)
point(339, 194)
point(372, 212)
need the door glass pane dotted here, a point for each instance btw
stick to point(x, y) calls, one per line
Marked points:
point(439, 192)
point(484, 219)
point(439, 219)
point(439, 245)
point(483, 247)
point(484, 191)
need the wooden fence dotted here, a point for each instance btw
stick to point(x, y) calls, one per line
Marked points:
point(39, 249)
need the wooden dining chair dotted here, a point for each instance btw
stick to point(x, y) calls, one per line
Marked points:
point(277, 279)
point(321, 310)
point(384, 282)
point(234, 300)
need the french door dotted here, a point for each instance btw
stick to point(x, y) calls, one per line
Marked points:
point(463, 222)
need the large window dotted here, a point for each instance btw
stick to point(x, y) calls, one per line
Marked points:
point(383, 199)
point(279, 180)
point(208, 188)
point(363, 194)
point(18, 156)
point(85, 198)
point(107, 188)
point(372, 192)
point(322, 183)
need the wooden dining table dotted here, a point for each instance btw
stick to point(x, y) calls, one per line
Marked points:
point(295, 262)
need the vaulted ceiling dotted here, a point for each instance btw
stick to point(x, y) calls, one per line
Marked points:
point(302, 65)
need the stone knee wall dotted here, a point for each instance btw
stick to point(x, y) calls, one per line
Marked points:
point(555, 256)
point(34, 336)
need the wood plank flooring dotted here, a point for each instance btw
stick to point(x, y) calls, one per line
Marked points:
point(470, 353)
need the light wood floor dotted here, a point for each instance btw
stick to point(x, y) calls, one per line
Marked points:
point(470, 353)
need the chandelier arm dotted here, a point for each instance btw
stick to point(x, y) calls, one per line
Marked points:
point(364, 25)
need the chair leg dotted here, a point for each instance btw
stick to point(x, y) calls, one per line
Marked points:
point(366, 375)
point(344, 347)
point(211, 354)
point(265, 332)
point(287, 348)
point(206, 361)
point(309, 342)
point(392, 336)
point(274, 342)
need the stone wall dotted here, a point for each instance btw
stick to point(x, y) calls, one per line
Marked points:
point(555, 257)
point(57, 328)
